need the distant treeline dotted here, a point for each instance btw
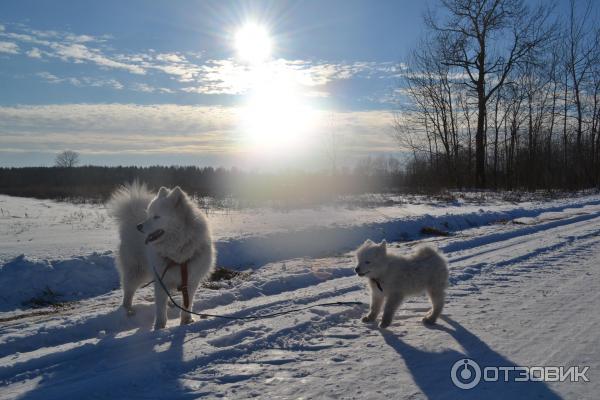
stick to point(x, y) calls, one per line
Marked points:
point(97, 183)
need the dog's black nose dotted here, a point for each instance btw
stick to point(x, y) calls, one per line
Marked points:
point(356, 270)
point(140, 227)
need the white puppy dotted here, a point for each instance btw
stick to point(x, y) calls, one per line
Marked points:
point(392, 278)
point(158, 232)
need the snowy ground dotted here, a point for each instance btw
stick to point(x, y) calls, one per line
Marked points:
point(525, 291)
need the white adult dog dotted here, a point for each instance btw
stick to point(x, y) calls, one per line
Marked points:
point(160, 232)
point(393, 278)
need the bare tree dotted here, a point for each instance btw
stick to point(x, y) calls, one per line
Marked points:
point(486, 39)
point(433, 91)
point(595, 117)
point(582, 55)
point(539, 79)
point(67, 158)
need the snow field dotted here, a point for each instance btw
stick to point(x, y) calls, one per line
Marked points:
point(522, 293)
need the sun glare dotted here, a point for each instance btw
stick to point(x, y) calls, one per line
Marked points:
point(277, 117)
point(253, 43)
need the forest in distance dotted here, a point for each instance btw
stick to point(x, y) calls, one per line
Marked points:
point(506, 95)
point(94, 183)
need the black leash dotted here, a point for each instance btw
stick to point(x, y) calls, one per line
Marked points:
point(171, 263)
point(254, 317)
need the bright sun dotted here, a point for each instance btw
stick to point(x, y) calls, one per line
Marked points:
point(253, 43)
point(276, 115)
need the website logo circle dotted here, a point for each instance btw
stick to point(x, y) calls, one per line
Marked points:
point(465, 373)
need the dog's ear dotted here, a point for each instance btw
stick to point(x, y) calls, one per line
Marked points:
point(369, 242)
point(176, 195)
point(383, 245)
point(163, 191)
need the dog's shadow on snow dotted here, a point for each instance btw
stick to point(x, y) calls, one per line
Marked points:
point(112, 323)
point(146, 363)
point(431, 370)
point(110, 365)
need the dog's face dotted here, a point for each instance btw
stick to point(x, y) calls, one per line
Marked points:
point(370, 257)
point(162, 214)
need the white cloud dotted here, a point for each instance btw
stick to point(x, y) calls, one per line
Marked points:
point(195, 54)
point(182, 72)
point(81, 81)
point(222, 77)
point(188, 70)
point(113, 83)
point(34, 53)
point(229, 77)
point(80, 38)
point(48, 77)
point(68, 47)
point(168, 129)
point(24, 38)
point(78, 52)
point(142, 87)
point(170, 57)
point(9, 47)
point(116, 118)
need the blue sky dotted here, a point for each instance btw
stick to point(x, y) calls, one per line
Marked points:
point(160, 82)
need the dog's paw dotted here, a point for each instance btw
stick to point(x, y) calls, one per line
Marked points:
point(429, 320)
point(187, 321)
point(367, 318)
point(129, 311)
point(160, 325)
point(384, 324)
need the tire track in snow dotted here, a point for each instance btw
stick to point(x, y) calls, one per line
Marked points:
point(493, 256)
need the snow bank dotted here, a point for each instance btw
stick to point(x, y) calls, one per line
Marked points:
point(254, 251)
point(25, 280)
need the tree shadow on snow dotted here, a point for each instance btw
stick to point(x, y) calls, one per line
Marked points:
point(431, 370)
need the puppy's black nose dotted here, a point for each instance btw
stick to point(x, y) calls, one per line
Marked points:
point(139, 227)
point(356, 270)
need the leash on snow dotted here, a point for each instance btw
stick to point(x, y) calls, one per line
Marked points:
point(253, 317)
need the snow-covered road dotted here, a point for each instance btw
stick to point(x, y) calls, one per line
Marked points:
point(522, 294)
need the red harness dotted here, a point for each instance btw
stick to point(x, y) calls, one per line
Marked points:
point(184, 280)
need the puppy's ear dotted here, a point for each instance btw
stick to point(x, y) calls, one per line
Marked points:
point(383, 245)
point(369, 242)
point(163, 191)
point(176, 195)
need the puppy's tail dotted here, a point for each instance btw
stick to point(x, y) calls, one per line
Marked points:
point(435, 258)
point(128, 203)
point(424, 252)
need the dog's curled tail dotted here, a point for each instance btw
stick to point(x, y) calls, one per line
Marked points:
point(437, 260)
point(128, 203)
point(426, 251)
